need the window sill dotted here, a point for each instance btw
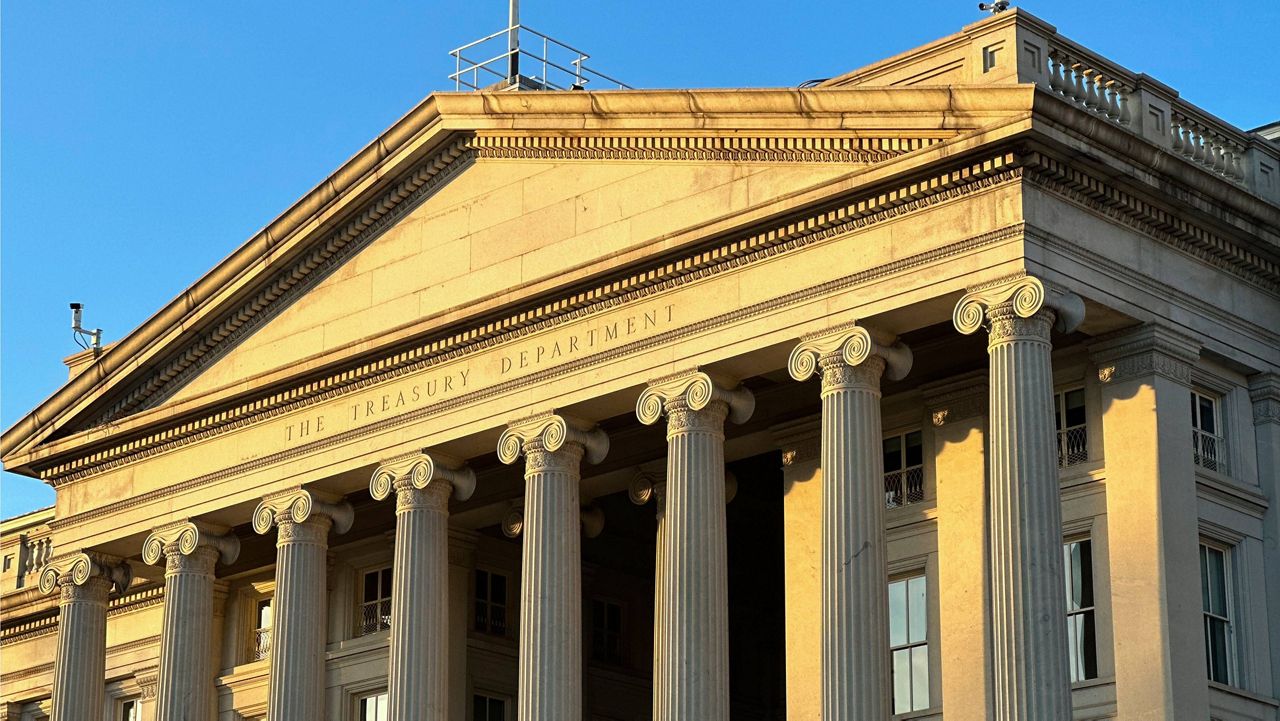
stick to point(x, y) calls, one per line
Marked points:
point(1246, 498)
point(1241, 693)
point(923, 713)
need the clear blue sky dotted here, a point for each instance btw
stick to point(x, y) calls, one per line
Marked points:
point(143, 142)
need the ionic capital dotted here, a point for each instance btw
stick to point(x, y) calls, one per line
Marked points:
point(1021, 296)
point(297, 506)
point(648, 485)
point(1264, 391)
point(848, 345)
point(1148, 350)
point(184, 538)
point(418, 471)
point(695, 391)
point(550, 432)
point(87, 572)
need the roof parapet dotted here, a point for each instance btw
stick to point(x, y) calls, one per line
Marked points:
point(1018, 47)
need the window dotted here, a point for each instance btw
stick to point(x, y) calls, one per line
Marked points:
point(606, 631)
point(130, 710)
point(1215, 592)
point(903, 469)
point(1207, 443)
point(1073, 433)
point(375, 604)
point(372, 707)
point(261, 641)
point(491, 603)
point(1077, 557)
point(488, 708)
point(909, 644)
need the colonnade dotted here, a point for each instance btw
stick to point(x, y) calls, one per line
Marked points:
point(691, 670)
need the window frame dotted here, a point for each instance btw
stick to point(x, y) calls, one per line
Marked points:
point(906, 577)
point(904, 470)
point(1091, 610)
point(360, 627)
point(359, 697)
point(1062, 430)
point(1221, 463)
point(476, 601)
point(1231, 619)
point(491, 696)
point(119, 713)
point(621, 631)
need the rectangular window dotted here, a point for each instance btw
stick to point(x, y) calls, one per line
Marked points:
point(606, 631)
point(372, 707)
point(1207, 442)
point(1073, 431)
point(1215, 592)
point(909, 644)
point(130, 710)
point(375, 604)
point(261, 640)
point(488, 708)
point(903, 469)
point(491, 603)
point(1077, 557)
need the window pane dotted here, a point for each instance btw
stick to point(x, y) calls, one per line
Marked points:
point(370, 586)
point(615, 618)
point(897, 613)
point(498, 589)
point(902, 680)
point(1218, 651)
point(1217, 583)
point(1089, 646)
point(893, 454)
point(1071, 579)
point(919, 678)
point(1204, 578)
point(1207, 421)
point(1075, 407)
point(917, 609)
point(264, 613)
point(1057, 411)
point(479, 709)
point(482, 586)
point(915, 449)
point(1085, 555)
point(497, 620)
point(497, 712)
point(482, 616)
point(386, 583)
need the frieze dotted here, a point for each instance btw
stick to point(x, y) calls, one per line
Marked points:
point(769, 305)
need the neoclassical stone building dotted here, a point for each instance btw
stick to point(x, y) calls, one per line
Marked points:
point(943, 388)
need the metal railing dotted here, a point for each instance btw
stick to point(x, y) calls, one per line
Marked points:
point(562, 66)
point(1073, 446)
point(261, 643)
point(904, 487)
point(1209, 451)
point(374, 616)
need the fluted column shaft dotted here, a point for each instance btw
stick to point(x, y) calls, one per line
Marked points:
point(661, 659)
point(551, 592)
point(184, 690)
point(855, 603)
point(419, 645)
point(693, 615)
point(1028, 606)
point(296, 689)
point(80, 667)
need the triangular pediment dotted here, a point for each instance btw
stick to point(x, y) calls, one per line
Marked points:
point(465, 210)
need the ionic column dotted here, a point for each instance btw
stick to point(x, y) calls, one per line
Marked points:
point(303, 521)
point(691, 680)
point(855, 601)
point(551, 590)
point(418, 677)
point(80, 667)
point(1030, 678)
point(185, 686)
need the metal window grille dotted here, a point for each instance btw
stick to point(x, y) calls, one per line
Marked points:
point(1208, 446)
point(261, 643)
point(375, 608)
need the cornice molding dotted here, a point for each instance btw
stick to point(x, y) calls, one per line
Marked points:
point(846, 217)
point(804, 148)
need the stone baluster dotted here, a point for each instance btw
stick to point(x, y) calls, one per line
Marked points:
point(303, 521)
point(694, 584)
point(1029, 633)
point(550, 687)
point(185, 683)
point(418, 670)
point(84, 582)
point(855, 604)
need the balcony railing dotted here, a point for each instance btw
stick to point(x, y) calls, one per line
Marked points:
point(1073, 446)
point(1209, 451)
point(261, 643)
point(374, 616)
point(501, 60)
point(904, 487)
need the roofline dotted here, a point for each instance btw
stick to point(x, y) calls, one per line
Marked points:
point(26, 520)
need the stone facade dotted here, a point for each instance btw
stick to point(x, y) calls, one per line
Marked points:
point(951, 382)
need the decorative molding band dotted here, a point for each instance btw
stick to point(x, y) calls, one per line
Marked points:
point(418, 470)
point(845, 218)
point(135, 601)
point(1127, 209)
point(824, 148)
point(853, 280)
point(1142, 352)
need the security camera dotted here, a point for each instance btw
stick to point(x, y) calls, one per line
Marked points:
point(998, 6)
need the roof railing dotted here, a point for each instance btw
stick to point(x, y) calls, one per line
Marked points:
point(560, 66)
